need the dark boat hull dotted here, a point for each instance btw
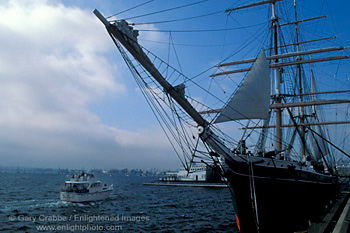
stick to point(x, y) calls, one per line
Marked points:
point(287, 195)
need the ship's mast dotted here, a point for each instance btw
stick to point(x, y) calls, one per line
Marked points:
point(277, 77)
point(298, 58)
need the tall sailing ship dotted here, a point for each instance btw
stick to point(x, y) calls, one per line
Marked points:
point(282, 171)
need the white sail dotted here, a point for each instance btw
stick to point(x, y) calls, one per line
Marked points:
point(252, 99)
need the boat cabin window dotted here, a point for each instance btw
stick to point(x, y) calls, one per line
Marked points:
point(96, 185)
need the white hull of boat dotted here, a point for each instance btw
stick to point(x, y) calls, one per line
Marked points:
point(84, 197)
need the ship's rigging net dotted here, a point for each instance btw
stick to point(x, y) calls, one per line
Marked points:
point(295, 83)
point(176, 124)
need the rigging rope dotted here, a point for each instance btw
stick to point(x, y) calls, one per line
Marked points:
point(177, 58)
point(182, 19)
point(130, 9)
point(330, 143)
point(166, 10)
point(189, 45)
point(201, 30)
point(253, 193)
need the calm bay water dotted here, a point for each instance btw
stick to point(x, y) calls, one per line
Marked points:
point(30, 203)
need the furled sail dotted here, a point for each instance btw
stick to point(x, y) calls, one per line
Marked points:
point(319, 146)
point(252, 99)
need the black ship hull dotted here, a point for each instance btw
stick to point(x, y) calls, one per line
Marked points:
point(277, 196)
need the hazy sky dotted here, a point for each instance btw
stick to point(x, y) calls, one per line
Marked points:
point(66, 97)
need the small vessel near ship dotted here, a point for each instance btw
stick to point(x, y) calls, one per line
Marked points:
point(198, 172)
point(288, 176)
point(85, 188)
point(198, 175)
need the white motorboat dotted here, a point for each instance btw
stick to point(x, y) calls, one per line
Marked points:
point(84, 188)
